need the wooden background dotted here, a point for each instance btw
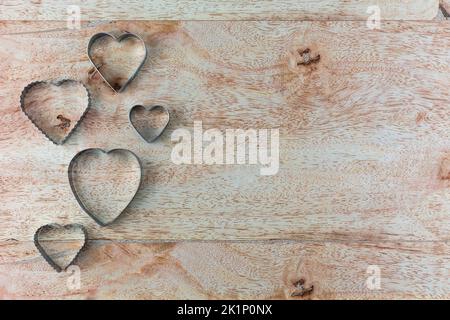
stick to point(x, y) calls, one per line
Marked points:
point(364, 151)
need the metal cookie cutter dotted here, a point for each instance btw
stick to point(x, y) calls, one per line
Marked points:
point(120, 38)
point(44, 253)
point(78, 198)
point(149, 134)
point(64, 122)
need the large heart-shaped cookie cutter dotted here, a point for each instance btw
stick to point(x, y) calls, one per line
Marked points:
point(153, 133)
point(56, 83)
point(44, 253)
point(78, 198)
point(123, 36)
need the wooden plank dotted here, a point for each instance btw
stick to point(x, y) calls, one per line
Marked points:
point(220, 10)
point(264, 270)
point(364, 139)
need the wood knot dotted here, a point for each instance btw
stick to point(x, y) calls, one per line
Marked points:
point(301, 290)
point(421, 117)
point(65, 123)
point(444, 170)
point(306, 58)
point(93, 74)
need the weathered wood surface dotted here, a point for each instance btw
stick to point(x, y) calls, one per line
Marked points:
point(219, 10)
point(263, 270)
point(364, 139)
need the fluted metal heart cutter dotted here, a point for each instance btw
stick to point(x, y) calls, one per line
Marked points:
point(65, 121)
point(85, 208)
point(120, 38)
point(148, 133)
point(44, 253)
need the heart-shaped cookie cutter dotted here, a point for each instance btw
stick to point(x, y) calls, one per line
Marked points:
point(75, 192)
point(46, 256)
point(157, 132)
point(123, 36)
point(56, 83)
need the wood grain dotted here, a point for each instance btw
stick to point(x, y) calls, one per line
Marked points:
point(364, 139)
point(219, 10)
point(199, 270)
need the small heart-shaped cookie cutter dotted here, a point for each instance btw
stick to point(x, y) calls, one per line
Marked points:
point(123, 36)
point(46, 256)
point(56, 83)
point(75, 192)
point(156, 132)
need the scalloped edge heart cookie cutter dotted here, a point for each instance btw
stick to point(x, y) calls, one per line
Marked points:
point(157, 132)
point(119, 38)
point(80, 201)
point(44, 253)
point(57, 83)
